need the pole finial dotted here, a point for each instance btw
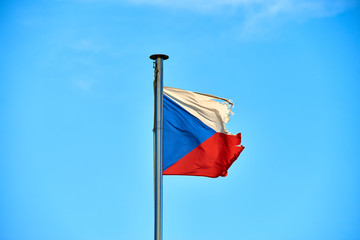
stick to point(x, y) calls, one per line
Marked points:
point(155, 56)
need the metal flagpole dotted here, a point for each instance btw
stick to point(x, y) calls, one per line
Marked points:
point(158, 141)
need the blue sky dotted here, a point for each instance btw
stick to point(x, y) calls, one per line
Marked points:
point(76, 107)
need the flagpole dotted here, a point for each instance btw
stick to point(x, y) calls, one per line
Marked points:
point(158, 142)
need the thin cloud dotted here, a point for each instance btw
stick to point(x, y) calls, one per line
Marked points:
point(84, 85)
point(85, 46)
point(271, 13)
point(258, 15)
point(313, 7)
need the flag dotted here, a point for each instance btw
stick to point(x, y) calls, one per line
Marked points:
point(195, 140)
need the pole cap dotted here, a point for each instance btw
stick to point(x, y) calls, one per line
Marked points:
point(155, 56)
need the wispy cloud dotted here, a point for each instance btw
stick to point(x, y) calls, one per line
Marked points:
point(258, 14)
point(86, 45)
point(84, 85)
point(282, 11)
point(273, 7)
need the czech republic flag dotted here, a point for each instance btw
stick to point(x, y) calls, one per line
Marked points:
point(195, 140)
